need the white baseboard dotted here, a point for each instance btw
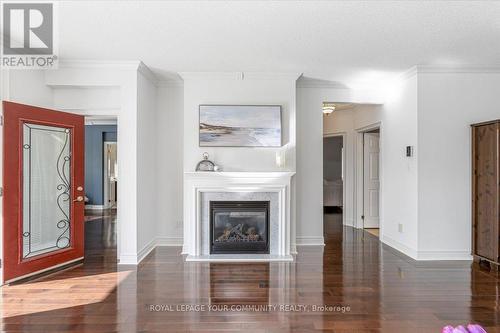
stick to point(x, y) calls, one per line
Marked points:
point(349, 222)
point(169, 241)
point(310, 240)
point(95, 207)
point(127, 259)
point(143, 253)
point(132, 259)
point(135, 259)
point(444, 255)
point(426, 255)
point(412, 253)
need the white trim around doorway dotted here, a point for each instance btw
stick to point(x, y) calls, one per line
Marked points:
point(358, 187)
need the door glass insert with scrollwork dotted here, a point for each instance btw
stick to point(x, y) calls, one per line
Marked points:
point(46, 189)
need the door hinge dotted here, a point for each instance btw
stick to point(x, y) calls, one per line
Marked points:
point(362, 217)
point(1, 191)
point(1, 120)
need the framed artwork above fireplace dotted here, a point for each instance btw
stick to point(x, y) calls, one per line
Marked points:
point(240, 126)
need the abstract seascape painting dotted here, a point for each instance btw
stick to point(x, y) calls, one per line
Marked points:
point(240, 126)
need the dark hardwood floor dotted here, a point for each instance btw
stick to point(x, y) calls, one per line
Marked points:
point(374, 288)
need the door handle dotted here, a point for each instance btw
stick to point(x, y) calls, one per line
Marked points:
point(78, 198)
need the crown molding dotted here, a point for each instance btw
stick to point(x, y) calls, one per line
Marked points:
point(446, 69)
point(170, 83)
point(211, 75)
point(133, 65)
point(239, 76)
point(173, 80)
point(409, 73)
point(307, 82)
point(438, 69)
point(480, 69)
point(271, 76)
point(99, 64)
point(148, 73)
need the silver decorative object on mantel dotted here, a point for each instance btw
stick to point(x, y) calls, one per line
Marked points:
point(206, 164)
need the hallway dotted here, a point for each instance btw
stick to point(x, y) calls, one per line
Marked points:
point(375, 288)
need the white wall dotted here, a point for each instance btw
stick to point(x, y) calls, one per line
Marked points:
point(229, 88)
point(448, 103)
point(398, 172)
point(241, 88)
point(429, 193)
point(169, 134)
point(28, 87)
point(95, 100)
point(147, 198)
point(309, 177)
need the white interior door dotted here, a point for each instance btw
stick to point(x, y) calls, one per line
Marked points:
point(371, 181)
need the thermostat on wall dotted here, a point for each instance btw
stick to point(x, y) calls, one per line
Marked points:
point(409, 151)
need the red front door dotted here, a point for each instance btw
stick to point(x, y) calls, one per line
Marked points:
point(43, 202)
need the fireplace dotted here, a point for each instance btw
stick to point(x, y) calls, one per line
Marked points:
point(239, 227)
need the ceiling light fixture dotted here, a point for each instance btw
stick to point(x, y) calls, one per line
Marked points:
point(328, 108)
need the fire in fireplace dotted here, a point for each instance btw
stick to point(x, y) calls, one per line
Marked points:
point(239, 226)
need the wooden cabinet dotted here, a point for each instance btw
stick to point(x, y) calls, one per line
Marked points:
point(486, 191)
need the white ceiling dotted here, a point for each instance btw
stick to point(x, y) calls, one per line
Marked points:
point(352, 43)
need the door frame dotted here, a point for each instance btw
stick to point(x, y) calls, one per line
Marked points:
point(345, 180)
point(359, 166)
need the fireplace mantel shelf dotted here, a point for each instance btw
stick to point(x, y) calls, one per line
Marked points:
point(239, 174)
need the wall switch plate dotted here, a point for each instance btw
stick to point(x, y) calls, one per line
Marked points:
point(400, 227)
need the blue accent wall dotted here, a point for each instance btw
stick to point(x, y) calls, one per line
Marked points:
point(95, 135)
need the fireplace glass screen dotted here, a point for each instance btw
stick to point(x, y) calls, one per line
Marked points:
point(239, 226)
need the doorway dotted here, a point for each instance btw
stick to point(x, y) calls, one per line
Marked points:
point(110, 175)
point(371, 181)
point(101, 183)
point(333, 182)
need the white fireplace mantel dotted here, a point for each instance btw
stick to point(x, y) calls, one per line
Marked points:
point(247, 184)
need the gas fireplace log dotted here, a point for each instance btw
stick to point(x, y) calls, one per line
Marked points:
point(236, 233)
